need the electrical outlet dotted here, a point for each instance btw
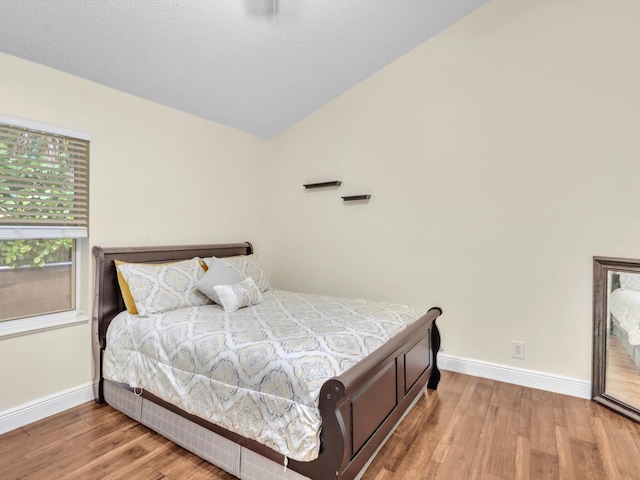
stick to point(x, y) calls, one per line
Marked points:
point(517, 349)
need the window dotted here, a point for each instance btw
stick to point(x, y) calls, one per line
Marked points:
point(44, 211)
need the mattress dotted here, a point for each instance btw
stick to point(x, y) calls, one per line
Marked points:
point(257, 371)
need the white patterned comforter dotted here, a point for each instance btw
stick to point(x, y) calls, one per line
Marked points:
point(257, 371)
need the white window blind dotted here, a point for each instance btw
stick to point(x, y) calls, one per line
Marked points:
point(44, 183)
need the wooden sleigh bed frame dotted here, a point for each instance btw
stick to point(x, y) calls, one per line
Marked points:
point(359, 408)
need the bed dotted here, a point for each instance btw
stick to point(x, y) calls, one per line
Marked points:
point(358, 408)
point(624, 306)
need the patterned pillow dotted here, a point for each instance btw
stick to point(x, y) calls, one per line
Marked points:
point(218, 273)
point(158, 288)
point(238, 295)
point(247, 266)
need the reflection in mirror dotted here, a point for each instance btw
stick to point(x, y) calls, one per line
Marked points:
point(616, 347)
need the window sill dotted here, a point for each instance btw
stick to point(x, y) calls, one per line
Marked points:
point(42, 323)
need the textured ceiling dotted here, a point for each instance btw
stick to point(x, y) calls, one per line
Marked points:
point(256, 65)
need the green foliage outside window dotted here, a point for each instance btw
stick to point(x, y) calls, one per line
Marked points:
point(35, 253)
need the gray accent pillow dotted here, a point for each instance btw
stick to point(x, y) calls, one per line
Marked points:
point(219, 273)
point(247, 266)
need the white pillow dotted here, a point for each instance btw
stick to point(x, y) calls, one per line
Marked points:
point(158, 288)
point(238, 295)
point(219, 273)
point(247, 266)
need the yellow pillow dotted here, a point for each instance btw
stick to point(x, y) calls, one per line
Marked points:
point(126, 292)
point(204, 265)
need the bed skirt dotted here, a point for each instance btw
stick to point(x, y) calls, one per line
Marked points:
point(216, 449)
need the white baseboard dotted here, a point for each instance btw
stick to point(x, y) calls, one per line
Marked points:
point(45, 407)
point(517, 376)
point(56, 403)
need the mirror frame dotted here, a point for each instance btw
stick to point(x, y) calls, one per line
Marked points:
point(601, 267)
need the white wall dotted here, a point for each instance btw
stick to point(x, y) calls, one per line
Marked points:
point(501, 155)
point(158, 176)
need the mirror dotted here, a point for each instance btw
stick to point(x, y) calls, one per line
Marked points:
point(616, 335)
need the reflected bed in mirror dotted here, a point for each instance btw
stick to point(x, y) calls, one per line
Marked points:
point(616, 337)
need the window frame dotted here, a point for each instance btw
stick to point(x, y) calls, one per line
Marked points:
point(49, 321)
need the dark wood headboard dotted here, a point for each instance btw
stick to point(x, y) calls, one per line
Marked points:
point(107, 299)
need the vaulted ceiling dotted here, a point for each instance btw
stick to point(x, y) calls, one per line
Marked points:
point(256, 65)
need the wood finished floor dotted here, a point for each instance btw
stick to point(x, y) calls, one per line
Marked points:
point(471, 428)
point(623, 375)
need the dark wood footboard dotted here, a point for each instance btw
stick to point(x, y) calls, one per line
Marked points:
point(361, 407)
